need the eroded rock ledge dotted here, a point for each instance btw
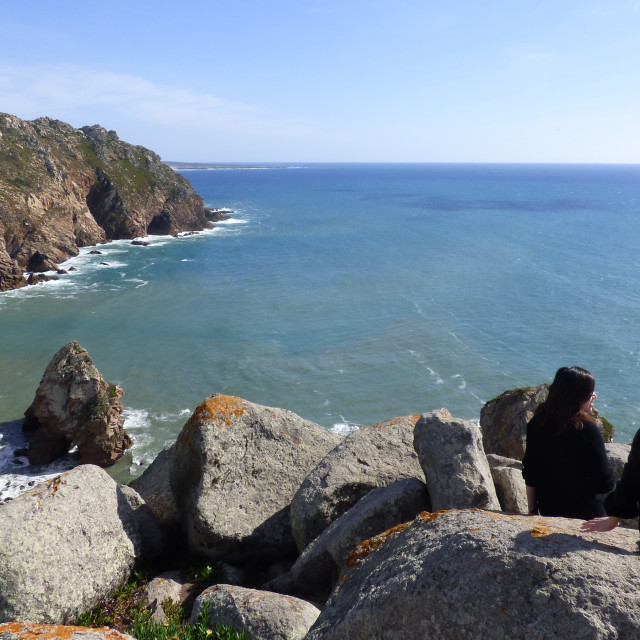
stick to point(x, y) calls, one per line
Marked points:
point(62, 188)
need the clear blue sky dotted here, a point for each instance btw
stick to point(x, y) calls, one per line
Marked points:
point(335, 80)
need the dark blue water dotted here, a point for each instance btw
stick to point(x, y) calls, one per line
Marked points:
point(354, 293)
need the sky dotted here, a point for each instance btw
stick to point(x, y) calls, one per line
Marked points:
point(334, 80)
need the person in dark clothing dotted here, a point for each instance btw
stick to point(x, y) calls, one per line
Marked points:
point(624, 500)
point(565, 465)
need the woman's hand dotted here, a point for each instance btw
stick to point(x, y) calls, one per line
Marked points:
point(598, 525)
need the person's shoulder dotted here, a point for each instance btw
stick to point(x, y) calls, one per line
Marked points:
point(590, 428)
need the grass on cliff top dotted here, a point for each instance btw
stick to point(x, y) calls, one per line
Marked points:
point(127, 612)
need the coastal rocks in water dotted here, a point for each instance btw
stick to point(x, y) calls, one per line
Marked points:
point(316, 571)
point(64, 546)
point(74, 406)
point(11, 276)
point(478, 574)
point(454, 463)
point(62, 188)
point(33, 631)
point(236, 466)
point(370, 457)
point(39, 262)
point(264, 615)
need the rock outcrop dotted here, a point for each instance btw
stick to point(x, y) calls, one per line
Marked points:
point(383, 571)
point(236, 466)
point(66, 545)
point(454, 463)
point(370, 457)
point(479, 574)
point(154, 485)
point(62, 188)
point(319, 566)
point(74, 406)
point(504, 419)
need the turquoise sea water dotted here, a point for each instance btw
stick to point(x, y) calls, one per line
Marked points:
point(350, 294)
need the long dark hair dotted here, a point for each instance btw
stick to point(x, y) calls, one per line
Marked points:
point(571, 387)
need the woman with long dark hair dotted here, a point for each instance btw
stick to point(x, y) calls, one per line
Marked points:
point(565, 465)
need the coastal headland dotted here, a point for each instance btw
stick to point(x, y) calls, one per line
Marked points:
point(62, 188)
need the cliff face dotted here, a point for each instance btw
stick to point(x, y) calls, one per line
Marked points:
point(62, 188)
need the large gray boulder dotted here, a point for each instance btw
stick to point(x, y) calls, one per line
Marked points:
point(74, 406)
point(504, 419)
point(479, 574)
point(154, 486)
point(65, 545)
point(262, 614)
point(454, 463)
point(368, 458)
point(318, 567)
point(31, 630)
point(236, 466)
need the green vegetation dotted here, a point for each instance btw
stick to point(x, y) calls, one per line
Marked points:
point(127, 612)
point(608, 430)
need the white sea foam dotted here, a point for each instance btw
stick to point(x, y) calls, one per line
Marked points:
point(462, 383)
point(16, 474)
point(345, 427)
point(231, 221)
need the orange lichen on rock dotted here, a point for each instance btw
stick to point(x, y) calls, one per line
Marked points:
point(34, 631)
point(53, 484)
point(223, 409)
point(428, 516)
point(367, 546)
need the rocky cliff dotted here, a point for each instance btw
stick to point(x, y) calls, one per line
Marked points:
point(62, 188)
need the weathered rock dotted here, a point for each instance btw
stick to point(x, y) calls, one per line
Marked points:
point(264, 615)
point(151, 541)
point(618, 454)
point(155, 488)
point(454, 464)
point(11, 276)
point(370, 457)
point(64, 546)
point(62, 188)
point(40, 262)
point(504, 419)
point(236, 465)
point(478, 574)
point(33, 631)
point(168, 586)
point(74, 406)
point(316, 571)
point(509, 483)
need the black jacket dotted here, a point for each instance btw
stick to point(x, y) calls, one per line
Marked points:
point(570, 471)
point(623, 501)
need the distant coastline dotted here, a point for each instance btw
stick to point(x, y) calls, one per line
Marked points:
point(210, 166)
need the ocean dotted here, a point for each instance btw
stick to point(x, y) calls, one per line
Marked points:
point(349, 294)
